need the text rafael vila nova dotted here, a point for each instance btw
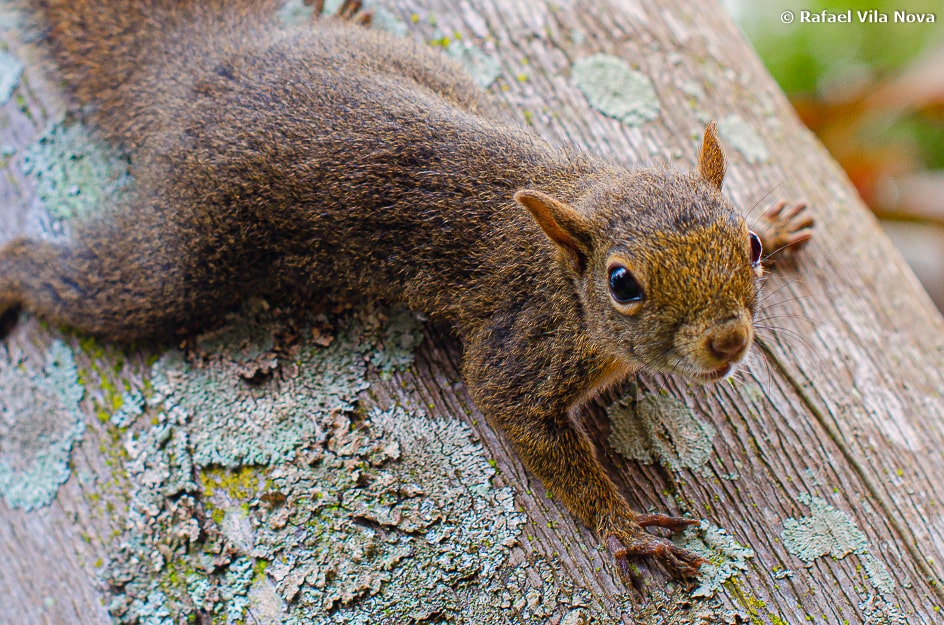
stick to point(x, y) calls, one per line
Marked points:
point(865, 17)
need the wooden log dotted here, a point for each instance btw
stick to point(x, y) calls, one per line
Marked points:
point(333, 468)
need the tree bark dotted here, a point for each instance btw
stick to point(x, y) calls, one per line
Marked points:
point(822, 461)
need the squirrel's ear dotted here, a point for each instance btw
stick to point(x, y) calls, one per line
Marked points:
point(711, 163)
point(560, 223)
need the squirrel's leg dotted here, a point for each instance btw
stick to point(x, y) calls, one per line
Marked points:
point(114, 282)
point(526, 392)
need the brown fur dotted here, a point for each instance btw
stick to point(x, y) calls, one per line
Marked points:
point(287, 160)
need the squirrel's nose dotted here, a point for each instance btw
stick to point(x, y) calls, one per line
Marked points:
point(730, 340)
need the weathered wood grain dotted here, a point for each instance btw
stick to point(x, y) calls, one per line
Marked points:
point(838, 419)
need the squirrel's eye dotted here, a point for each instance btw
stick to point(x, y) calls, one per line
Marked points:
point(623, 286)
point(756, 248)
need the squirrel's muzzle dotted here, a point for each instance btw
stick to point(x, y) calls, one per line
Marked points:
point(721, 347)
point(729, 341)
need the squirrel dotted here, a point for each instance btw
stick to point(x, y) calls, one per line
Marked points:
point(291, 160)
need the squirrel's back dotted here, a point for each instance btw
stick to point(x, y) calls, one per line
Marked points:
point(321, 147)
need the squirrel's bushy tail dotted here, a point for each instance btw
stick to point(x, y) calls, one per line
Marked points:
point(126, 58)
point(101, 45)
point(98, 44)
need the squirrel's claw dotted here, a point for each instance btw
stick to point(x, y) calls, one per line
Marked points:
point(353, 11)
point(350, 11)
point(632, 540)
point(785, 226)
point(675, 524)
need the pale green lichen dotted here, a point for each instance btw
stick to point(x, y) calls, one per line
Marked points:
point(878, 611)
point(615, 89)
point(155, 606)
point(75, 175)
point(726, 558)
point(576, 617)
point(402, 332)
point(544, 591)
point(295, 11)
point(234, 591)
point(40, 422)
point(830, 531)
point(11, 68)
point(483, 67)
point(827, 531)
point(233, 422)
point(877, 573)
point(660, 429)
point(692, 88)
point(131, 407)
point(384, 19)
point(351, 514)
point(397, 537)
point(677, 607)
point(739, 135)
point(12, 18)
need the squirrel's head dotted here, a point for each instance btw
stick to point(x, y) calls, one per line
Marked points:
point(666, 270)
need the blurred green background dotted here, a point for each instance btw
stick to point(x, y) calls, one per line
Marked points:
point(874, 94)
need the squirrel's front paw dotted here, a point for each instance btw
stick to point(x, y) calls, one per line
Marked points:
point(625, 537)
point(785, 226)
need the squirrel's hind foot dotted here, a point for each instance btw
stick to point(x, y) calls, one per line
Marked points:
point(628, 538)
point(350, 11)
